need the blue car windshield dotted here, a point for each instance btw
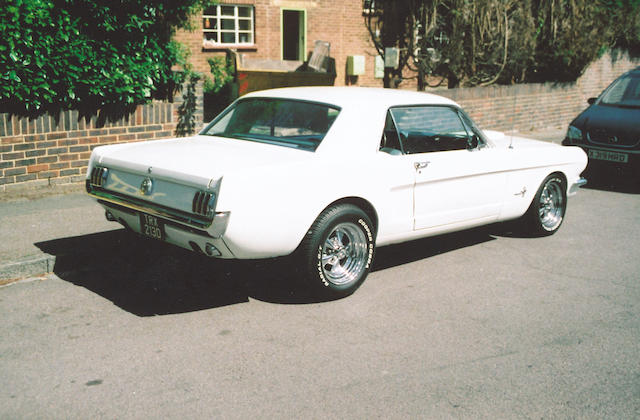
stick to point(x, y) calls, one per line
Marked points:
point(623, 92)
point(281, 122)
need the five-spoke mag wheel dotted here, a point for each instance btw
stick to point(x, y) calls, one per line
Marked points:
point(344, 253)
point(338, 250)
point(546, 212)
point(552, 204)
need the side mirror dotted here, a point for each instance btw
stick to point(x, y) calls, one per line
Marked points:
point(472, 142)
point(591, 101)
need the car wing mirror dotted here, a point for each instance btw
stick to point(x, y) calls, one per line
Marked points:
point(472, 142)
point(591, 101)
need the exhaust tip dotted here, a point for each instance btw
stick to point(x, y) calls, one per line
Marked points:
point(195, 247)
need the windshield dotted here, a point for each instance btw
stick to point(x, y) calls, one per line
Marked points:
point(282, 122)
point(624, 92)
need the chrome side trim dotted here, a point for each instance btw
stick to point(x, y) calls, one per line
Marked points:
point(576, 185)
point(200, 222)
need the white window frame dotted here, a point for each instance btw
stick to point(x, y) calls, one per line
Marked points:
point(215, 26)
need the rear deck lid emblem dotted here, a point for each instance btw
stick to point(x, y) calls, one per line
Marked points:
point(147, 186)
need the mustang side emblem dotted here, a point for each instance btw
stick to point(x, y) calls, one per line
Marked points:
point(522, 193)
point(613, 139)
point(147, 186)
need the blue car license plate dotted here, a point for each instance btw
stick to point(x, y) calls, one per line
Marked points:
point(151, 226)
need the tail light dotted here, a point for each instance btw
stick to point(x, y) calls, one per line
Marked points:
point(99, 176)
point(203, 203)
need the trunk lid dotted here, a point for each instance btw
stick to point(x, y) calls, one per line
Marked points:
point(171, 173)
point(196, 159)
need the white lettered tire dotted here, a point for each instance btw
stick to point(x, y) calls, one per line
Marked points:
point(337, 251)
point(547, 210)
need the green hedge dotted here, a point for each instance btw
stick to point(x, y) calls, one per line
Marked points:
point(98, 55)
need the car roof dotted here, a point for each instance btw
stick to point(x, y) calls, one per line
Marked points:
point(355, 96)
point(635, 72)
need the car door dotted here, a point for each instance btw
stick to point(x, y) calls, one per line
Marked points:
point(457, 181)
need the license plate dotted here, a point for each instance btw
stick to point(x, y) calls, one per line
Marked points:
point(609, 156)
point(151, 226)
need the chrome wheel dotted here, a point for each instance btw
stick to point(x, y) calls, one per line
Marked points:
point(551, 204)
point(344, 254)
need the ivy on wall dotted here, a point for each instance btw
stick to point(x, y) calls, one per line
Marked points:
point(187, 110)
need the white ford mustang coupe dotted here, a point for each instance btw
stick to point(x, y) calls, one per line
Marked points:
point(328, 174)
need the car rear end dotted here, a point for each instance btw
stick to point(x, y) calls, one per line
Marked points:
point(159, 203)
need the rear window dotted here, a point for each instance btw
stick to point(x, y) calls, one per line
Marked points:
point(623, 92)
point(282, 122)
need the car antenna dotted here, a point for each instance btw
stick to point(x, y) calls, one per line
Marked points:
point(513, 120)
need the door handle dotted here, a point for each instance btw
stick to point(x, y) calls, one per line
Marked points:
point(421, 165)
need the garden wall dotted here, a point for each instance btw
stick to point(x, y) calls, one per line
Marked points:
point(46, 152)
point(538, 106)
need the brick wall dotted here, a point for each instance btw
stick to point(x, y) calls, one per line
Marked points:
point(340, 22)
point(538, 106)
point(45, 151)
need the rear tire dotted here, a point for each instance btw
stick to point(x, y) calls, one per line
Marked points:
point(337, 251)
point(547, 210)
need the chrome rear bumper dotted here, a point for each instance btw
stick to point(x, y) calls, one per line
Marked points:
point(133, 203)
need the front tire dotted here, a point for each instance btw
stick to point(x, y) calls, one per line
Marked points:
point(337, 251)
point(547, 210)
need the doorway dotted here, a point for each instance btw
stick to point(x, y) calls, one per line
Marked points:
point(294, 30)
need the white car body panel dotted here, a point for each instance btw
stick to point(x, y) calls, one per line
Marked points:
point(270, 195)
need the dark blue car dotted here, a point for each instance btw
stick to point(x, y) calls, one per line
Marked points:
point(609, 130)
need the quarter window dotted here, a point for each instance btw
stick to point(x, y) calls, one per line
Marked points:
point(430, 129)
point(225, 24)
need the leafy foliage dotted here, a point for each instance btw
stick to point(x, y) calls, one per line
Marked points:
point(480, 42)
point(221, 72)
point(90, 55)
point(187, 110)
point(219, 91)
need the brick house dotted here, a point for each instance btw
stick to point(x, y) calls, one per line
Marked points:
point(285, 31)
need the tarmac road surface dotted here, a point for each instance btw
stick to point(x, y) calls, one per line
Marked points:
point(479, 324)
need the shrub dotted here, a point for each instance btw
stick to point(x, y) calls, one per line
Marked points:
point(89, 55)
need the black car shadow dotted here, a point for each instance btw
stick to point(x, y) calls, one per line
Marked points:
point(408, 252)
point(147, 278)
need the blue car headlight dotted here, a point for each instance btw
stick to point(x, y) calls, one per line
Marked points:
point(574, 134)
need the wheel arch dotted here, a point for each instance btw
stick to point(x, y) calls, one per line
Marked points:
point(563, 178)
point(560, 174)
point(361, 203)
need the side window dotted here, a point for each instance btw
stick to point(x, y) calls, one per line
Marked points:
point(425, 129)
point(472, 128)
point(390, 142)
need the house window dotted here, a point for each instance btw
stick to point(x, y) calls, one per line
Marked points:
point(371, 7)
point(225, 25)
